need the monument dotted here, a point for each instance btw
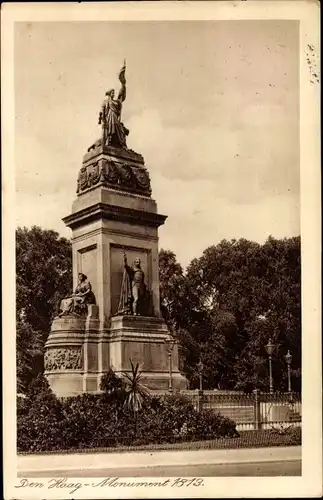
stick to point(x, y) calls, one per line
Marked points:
point(113, 317)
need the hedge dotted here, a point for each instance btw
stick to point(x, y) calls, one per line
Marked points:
point(44, 423)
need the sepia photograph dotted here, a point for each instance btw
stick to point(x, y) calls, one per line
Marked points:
point(160, 251)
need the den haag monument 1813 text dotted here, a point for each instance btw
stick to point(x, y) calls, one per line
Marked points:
point(113, 316)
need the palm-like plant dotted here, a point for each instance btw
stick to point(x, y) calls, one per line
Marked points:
point(136, 392)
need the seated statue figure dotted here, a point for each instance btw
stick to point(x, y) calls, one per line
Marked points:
point(76, 304)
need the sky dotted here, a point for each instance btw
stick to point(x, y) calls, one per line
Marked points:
point(213, 106)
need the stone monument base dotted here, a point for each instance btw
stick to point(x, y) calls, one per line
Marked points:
point(70, 343)
point(141, 339)
point(78, 353)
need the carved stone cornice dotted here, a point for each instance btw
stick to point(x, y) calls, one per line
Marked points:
point(113, 212)
point(119, 232)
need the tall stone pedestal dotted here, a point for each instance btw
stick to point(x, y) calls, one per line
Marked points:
point(112, 215)
point(142, 340)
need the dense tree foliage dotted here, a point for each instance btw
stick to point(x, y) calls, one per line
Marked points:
point(228, 303)
point(29, 353)
point(44, 276)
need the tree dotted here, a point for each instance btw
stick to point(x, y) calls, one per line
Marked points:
point(44, 274)
point(279, 301)
point(205, 330)
point(224, 278)
point(227, 305)
point(171, 283)
point(29, 354)
point(43, 277)
point(176, 308)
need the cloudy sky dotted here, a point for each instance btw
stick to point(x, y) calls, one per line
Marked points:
point(211, 105)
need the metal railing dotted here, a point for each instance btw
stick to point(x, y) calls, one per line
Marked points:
point(251, 411)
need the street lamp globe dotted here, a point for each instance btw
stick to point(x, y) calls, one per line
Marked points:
point(270, 347)
point(200, 366)
point(288, 358)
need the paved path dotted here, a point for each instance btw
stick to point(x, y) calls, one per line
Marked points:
point(278, 468)
point(179, 462)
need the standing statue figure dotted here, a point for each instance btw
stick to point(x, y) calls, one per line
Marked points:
point(113, 131)
point(133, 297)
point(77, 303)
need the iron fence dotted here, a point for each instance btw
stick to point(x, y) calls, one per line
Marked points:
point(257, 410)
point(280, 410)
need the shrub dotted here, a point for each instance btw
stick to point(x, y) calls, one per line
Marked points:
point(293, 435)
point(103, 420)
point(110, 383)
point(174, 412)
point(39, 385)
point(209, 424)
point(94, 421)
point(173, 418)
point(40, 419)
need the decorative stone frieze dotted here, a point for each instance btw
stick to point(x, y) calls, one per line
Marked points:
point(67, 358)
point(118, 175)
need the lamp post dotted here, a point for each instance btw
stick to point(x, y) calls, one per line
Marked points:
point(169, 342)
point(270, 349)
point(288, 359)
point(200, 368)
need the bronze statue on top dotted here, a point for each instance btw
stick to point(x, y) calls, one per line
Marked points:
point(134, 297)
point(113, 131)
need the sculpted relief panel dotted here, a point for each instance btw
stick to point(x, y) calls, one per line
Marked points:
point(118, 175)
point(69, 358)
